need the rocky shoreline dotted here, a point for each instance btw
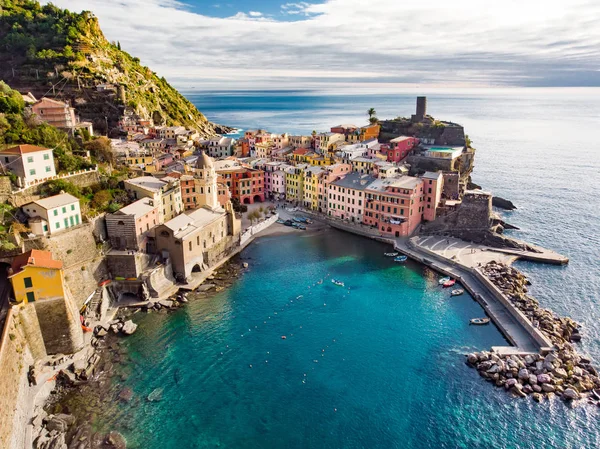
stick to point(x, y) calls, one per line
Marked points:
point(90, 385)
point(562, 372)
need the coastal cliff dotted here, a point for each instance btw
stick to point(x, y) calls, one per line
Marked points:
point(50, 51)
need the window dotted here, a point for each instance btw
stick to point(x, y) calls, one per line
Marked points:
point(46, 156)
point(32, 172)
point(45, 228)
point(30, 159)
point(30, 297)
point(64, 210)
point(66, 223)
point(48, 169)
point(72, 207)
point(28, 282)
point(57, 225)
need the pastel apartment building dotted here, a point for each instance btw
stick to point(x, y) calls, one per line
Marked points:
point(219, 147)
point(394, 205)
point(329, 174)
point(400, 147)
point(346, 197)
point(244, 183)
point(52, 215)
point(165, 193)
point(129, 227)
point(327, 143)
point(56, 113)
point(433, 185)
point(300, 141)
point(30, 163)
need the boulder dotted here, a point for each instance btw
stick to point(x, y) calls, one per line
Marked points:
point(205, 287)
point(472, 358)
point(560, 373)
point(544, 378)
point(60, 422)
point(532, 379)
point(570, 394)
point(129, 327)
point(517, 390)
point(537, 397)
point(547, 388)
point(510, 383)
point(165, 303)
point(524, 374)
point(537, 388)
point(115, 440)
point(126, 394)
point(101, 332)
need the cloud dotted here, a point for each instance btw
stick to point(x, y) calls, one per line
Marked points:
point(465, 42)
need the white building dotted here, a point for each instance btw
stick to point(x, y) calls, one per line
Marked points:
point(53, 214)
point(220, 147)
point(29, 162)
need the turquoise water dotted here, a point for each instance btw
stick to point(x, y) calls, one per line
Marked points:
point(395, 371)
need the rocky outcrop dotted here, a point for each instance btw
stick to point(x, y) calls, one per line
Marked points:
point(501, 203)
point(562, 372)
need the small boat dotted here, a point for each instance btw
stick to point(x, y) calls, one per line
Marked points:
point(339, 283)
point(442, 281)
point(457, 292)
point(283, 337)
point(280, 221)
point(301, 227)
point(297, 220)
point(288, 222)
point(400, 259)
point(308, 221)
point(390, 254)
point(449, 283)
point(479, 321)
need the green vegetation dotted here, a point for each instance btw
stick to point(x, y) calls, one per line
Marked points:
point(7, 219)
point(50, 47)
point(17, 126)
point(372, 117)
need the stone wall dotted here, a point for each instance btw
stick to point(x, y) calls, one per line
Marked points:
point(60, 325)
point(81, 255)
point(32, 193)
point(15, 358)
point(245, 236)
point(126, 265)
point(420, 164)
point(473, 214)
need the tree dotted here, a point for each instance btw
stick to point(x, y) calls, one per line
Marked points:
point(371, 113)
point(101, 199)
point(253, 216)
point(373, 120)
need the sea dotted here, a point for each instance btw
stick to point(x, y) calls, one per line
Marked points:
point(378, 363)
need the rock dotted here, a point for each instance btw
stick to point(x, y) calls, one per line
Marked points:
point(205, 287)
point(529, 360)
point(544, 378)
point(516, 390)
point(101, 332)
point(570, 394)
point(165, 303)
point(126, 394)
point(560, 373)
point(156, 395)
point(532, 379)
point(115, 440)
point(547, 388)
point(510, 383)
point(472, 358)
point(494, 369)
point(537, 397)
point(60, 422)
point(527, 389)
point(129, 327)
point(537, 388)
point(114, 328)
point(524, 374)
point(245, 264)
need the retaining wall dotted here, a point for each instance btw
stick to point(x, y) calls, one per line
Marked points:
point(252, 230)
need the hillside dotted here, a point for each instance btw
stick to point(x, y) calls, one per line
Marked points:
point(50, 51)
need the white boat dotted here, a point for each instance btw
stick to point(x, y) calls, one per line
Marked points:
point(479, 321)
point(443, 280)
point(457, 292)
point(338, 283)
point(390, 254)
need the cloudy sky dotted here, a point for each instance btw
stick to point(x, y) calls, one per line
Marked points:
point(271, 44)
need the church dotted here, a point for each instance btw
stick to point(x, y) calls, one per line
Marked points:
point(199, 238)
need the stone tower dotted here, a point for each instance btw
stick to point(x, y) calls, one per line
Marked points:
point(421, 108)
point(206, 183)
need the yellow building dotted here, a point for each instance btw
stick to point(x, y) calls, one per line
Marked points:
point(294, 183)
point(147, 163)
point(37, 276)
point(310, 188)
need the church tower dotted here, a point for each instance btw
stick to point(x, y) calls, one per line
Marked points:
point(206, 183)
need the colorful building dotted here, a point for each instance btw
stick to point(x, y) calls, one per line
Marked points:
point(165, 192)
point(56, 113)
point(294, 183)
point(346, 197)
point(129, 227)
point(400, 147)
point(394, 205)
point(30, 163)
point(433, 185)
point(54, 214)
point(244, 183)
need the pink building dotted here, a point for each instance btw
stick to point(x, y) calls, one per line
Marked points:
point(433, 184)
point(395, 206)
point(346, 196)
point(274, 180)
point(128, 228)
point(400, 147)
point(55, 113)
point(331, 173)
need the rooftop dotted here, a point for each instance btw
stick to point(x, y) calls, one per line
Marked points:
point(402, 182)
point(56, 201)
point(35, 258)
point(23, 149)
point(137, 208)
point(431, 175)
point(355, 180)
point(187, 223)
point(147, 182)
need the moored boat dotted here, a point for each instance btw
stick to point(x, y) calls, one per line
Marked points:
point(280, 221)
point(301, 227)
point(288, 222)
point(442, 281)
point(457, 292)
point(390, 254)
point(449, 283)
point(338, 283)
point(400, 259)
point(479, 321)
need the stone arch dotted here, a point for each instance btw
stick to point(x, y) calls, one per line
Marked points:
point(257, 198)
point(247, 201)
point(196, 269)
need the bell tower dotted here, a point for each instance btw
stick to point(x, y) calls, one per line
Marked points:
point(206, 183)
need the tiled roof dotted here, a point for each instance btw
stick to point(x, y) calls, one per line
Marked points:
point(23, 149)
point(35, 258)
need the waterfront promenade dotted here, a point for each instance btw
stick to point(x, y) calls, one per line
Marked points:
point(463, 265)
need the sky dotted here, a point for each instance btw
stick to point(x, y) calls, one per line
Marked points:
point(347, 44)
